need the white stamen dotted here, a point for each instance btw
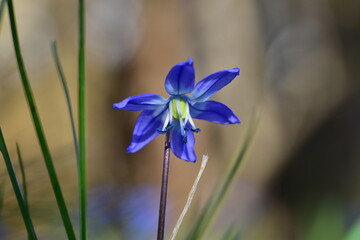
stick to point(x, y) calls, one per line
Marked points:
point(170, 113)
point(182, 123)
point(166, 122)
point(182, 127)
point(189, 118)
point(187, 113)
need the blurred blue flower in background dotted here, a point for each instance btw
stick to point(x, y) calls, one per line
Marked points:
point(125, 212)
point(177, 112)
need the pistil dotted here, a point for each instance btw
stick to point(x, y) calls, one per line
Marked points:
point(179, 109)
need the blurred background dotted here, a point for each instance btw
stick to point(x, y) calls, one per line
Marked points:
point(300, 73)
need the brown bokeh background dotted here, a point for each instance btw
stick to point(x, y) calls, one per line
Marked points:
point(299, 75)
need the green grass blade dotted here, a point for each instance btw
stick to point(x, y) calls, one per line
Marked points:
point(23, 176)
point(38, 127)
point(82, 123)
point(23, 208)
point(67, 95)
point(209, 212)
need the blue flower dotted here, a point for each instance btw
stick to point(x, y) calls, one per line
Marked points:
point(186, 102)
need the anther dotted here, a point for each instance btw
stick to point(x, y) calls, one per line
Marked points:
point(196, 130)
point(171, 125)
point(161, 131)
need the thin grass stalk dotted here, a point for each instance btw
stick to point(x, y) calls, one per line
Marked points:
point(23, 176)
point(38, 127)
point(82, 123)
point(17, 190)
point(208, 214)
point(190, 198)
point(164, 186)
point(67, 96)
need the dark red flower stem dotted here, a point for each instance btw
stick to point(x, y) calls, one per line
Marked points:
point(164, 185)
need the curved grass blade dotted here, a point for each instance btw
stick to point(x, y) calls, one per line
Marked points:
point(67, 95)
point(209, 212)
point(23, 176)
point(19, 197)
point(82, 123)
point(38, 127)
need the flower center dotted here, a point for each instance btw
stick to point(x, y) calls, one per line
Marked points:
point(179, 107)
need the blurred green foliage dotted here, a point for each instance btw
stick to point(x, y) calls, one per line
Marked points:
point(326, 222)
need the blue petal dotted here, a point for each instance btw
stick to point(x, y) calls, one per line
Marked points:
point(145, 129)
point(180, 79)
point(141, 102)
point(213, 83)
point(181, 149)
point(213, 111)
